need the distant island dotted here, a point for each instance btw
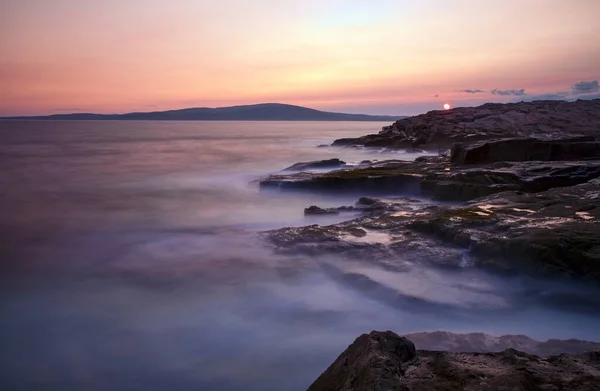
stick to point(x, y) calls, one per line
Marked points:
point(259, 112)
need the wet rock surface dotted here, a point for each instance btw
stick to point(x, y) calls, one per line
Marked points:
point(386, 361)
point(440, 129)
point(550, 233)
point(437, 177)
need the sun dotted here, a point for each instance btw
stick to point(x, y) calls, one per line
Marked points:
point(446, 106)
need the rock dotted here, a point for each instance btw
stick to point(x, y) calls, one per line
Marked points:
point(315, 210)
point(319, 164)
point(525, 149)
point(367, 201)
point(480, 342)
point(533, 202)
point(388, 176)
point(440, 129)
point(375, 361)
point(434, 176)
point(553, 233)
point(384, 361)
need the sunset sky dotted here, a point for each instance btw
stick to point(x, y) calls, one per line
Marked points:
point(379, 56)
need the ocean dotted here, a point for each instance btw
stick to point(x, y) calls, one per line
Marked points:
point(130, 260)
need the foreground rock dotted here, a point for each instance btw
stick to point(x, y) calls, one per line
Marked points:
point(385, 361)
point(480, 342)
point(440, 129)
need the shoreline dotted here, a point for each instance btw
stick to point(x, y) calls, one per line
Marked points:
point(528, 203)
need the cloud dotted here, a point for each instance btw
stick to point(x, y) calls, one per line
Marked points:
point(468, 91)
point(585, 87)
point(549, 96)
point(520, 92)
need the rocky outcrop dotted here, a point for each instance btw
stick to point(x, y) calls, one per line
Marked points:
point(440, 129)
point(385, 361)
point(391, 175)
point(376, 361)
point(525, 149)
point(554, 232)
point(480, 342)
point(437, 177)
point(528, 177)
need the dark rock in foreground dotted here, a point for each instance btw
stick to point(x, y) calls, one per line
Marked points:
point(377, 361)
point(384, 361)
point(440, 129)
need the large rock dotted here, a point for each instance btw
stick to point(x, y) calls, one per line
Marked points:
point(384, 361)
point(440, 129)
point(525, 149)
point(374, 362)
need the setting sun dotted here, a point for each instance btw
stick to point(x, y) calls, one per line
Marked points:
point(446, 106)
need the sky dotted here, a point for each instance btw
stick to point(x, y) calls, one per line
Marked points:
point(372, 56)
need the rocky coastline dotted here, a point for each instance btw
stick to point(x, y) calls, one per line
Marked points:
point(514, 190)
point(386, 361)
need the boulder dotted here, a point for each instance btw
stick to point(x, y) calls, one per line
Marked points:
point(375, 361)
point(384, 361)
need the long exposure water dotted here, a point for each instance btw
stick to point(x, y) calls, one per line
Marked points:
point(130, 261)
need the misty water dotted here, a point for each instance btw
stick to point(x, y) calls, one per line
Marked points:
point(130, 260)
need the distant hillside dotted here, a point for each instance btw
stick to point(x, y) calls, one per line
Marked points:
point(260, 112)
